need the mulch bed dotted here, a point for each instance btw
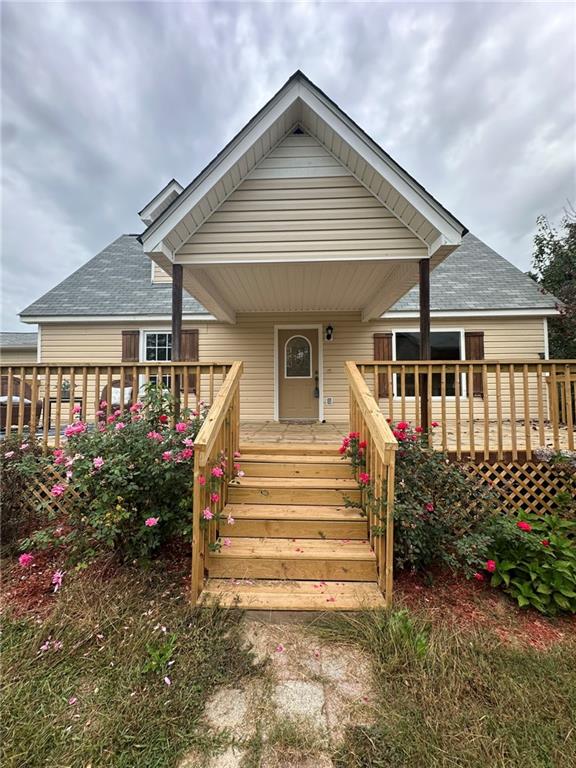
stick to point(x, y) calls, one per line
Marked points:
point(445, 597)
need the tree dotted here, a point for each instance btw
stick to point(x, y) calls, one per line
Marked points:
point(554, 265)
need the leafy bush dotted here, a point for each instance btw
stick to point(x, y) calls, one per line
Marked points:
point(436, 503)
point(533, 558)
point(20, 465)
point(134, 473)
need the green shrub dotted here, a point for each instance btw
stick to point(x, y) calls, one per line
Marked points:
point(533, 558)
point(20, 466)
point(134, 474)
point(436, 503)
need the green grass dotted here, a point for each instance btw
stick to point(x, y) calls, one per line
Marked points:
point(114, 659)
point(458, 699)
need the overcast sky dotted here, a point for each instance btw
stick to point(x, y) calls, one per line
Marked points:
point(103, 103)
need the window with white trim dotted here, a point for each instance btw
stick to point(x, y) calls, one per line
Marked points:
point(158, 349)
point(445, 345)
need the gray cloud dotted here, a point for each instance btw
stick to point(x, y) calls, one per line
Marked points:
point(104, 102)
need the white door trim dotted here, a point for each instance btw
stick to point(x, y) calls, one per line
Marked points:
point(306, 327)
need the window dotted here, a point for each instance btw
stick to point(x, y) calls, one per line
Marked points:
point(298, 358)
point(158, 349)
point(445, 345)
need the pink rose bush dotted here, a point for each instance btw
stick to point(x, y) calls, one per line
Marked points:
point(134, 473)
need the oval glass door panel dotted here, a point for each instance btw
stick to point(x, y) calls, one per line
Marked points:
point(298, 358)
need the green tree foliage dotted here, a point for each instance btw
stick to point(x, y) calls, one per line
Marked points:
point(554, 265)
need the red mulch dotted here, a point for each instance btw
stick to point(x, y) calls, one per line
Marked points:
point(442, 596)
point(447, 597)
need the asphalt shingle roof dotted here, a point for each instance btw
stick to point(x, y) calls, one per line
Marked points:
point(118, 282)
point(476, 277)
point(19, 340)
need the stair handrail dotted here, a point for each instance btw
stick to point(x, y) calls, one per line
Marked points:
point(367, 419)
point(219, 436)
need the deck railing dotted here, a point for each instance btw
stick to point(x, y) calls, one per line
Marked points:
point(485, 408)
point(40, 400)
point(380, 455)
point(215, 444)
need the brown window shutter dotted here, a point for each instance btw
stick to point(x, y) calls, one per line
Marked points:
point(382, 351)
point(130, 346)
point(189, 353)
point(474, 342)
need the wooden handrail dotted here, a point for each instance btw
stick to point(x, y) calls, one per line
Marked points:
point(379, 457)
point(218, 411)
point(216, 444)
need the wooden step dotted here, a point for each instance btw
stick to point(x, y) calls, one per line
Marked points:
point(294, 521)
point(328, 560)
point(297, 449)
point(288, 494)
point(318, 458)
point(337, 483)
point(266, 595)
point(289, 466)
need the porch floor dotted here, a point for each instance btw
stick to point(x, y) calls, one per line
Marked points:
point(292, 432)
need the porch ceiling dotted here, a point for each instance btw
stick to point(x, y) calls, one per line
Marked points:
point(363, 286)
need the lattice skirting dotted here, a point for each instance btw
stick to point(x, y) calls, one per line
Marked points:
point(526, 485)
point(41, 493)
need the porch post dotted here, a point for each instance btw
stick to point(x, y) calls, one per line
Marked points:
point(176, 326)
point(425, 348)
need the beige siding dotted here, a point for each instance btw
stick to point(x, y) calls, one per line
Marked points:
point(252, 340)
point(10, 356)
point(159, 276)
point(298, 156)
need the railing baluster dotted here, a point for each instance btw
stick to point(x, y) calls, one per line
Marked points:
point(443, 425)
point(46, 410)
point(526, 404)
point(72, 374)
point(390, 385)
point(486, 399)
point(34, 398)
point(403, 393)
point(58, 405)
point(512, 380)
point(569, 410)
point(499, 425)
point(471, 424)
point(21, 401)
point(417, 395)
point(458, 411)
point(9, 395)
point(96, 393)
point(84, 403)
point(540, 398)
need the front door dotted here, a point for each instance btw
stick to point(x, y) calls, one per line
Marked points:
point(298, 374)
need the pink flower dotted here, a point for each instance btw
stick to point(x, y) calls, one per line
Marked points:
point(59, 456)
point(280, 648)
point(163, 419)
point(429, 507)
point(77, 428)
point(479, 576)
point(103, 404)
point(419, 429)
point(363, 478)
point(57, 577)
point(207, 514)
point(215, 498)
point(237, 454)
point(187, 453)
point(188, 442)
point(8, 454)
point(72, 700)
point(24, 447)
point(69, 474)
point(343, 448)
point(155, 436)
point(98, 462)
point(237, 467)
point(150, 522)
point(117, 412)
point(524, 526)
point(167, 456)
point(403, 425)
point(545, 543)
point(241, 473)
point(181, 426)
point(26, 559)
point(120, 425)
point(201, 480)
point(111, 419)
point(227, 542)
point(217, 472)
point(435, 424)
point(57, 490)
point(491, 566)
point(137, 407)
point(230, 520)
point(76, 409)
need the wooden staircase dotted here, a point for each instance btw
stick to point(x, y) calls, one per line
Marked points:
point(293, 545)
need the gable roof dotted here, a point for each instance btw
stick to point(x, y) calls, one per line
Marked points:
point(475, 277)
point(18, 340)
point(117, 283)
point(300, 103)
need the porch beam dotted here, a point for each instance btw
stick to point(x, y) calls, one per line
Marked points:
point(200, 285)
point(425, 346)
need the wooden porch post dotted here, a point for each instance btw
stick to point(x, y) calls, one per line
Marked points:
point(425, 348)
point(177, 326)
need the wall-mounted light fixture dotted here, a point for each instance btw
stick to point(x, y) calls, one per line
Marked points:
point(329, 332)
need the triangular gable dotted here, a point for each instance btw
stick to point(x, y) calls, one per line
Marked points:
point(301, 104)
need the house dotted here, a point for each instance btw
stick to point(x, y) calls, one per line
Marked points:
point(18, 348)
point(300, 246)
point(320, 282)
